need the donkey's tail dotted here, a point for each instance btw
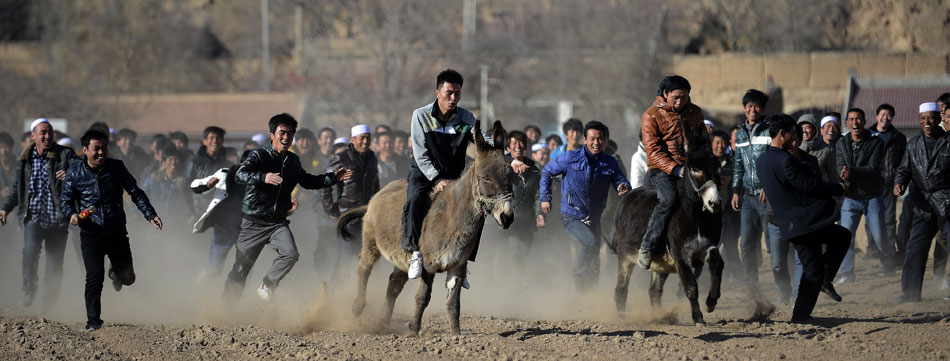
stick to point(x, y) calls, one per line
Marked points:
point(350, 216)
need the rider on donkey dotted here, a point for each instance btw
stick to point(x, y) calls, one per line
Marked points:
point(662, 135)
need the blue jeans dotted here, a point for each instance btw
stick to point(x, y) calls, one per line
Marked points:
point(34, 237)
point(851, 211)
point(786, 288)
point(754, 223)
point(587, 267)
point(221, 243)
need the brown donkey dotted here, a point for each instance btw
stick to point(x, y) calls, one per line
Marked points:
point(450, 233)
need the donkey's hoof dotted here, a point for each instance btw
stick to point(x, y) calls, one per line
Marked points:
point(700, 323)
point(711, 304)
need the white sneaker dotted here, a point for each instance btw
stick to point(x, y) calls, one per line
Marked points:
point(415, 265)
point(264, 293)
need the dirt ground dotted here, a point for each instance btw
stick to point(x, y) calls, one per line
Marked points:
point(516, 309)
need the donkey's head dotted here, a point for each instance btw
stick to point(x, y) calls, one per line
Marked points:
point(702, 171)
point(490, 186)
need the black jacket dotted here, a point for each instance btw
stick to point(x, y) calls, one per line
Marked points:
point(58, 158)
point(203, 164)
point(102, 188)
point(525, 193)
point(356, 191)
point(864, 165)
point(894, 148)
point(929, 172)
point(270, 203)
point(801, 201)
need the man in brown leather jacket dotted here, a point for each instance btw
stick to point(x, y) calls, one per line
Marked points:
point(662, 129)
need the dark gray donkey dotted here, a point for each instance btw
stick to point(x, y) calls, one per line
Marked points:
point(690, 239)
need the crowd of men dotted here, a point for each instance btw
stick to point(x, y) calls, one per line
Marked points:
point(802, 183)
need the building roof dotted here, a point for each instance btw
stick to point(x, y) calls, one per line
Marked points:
point(191, 113)
point(904, 93)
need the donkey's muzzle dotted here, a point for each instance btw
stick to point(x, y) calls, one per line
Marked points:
point(505, 219)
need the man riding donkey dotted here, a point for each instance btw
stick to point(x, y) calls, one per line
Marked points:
point(662, 129)
point(439, 138)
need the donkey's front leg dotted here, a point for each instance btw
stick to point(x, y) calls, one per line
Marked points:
point(454, 304)
point(691, 288)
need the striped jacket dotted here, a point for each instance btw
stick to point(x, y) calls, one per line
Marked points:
point(438, 149)
point(751, 143)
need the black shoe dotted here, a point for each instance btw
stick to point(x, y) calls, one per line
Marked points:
point(829, 290)
point(905, 299)
point(115, 281)
point(800, 319)
point(93, 326)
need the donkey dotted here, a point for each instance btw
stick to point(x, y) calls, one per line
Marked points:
point(691, 234)
point(450, 232)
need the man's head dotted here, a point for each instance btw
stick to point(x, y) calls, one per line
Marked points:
point(171, 159)
point(929, 119)
point(159, 141)
point(573, 131)
point(782, 129)
point(809, 126)
point(540, 153)
point(325, 138)
point(125, 139)
point(179, 139)
point(553, 141)
point(944, 102)
point(595, 136)
point(361, 138)
point(448, 90)
point(533, 133)
point(720, 141)
point(674, 89)
point(856, 121)
point(400, 142)
point(732, 137)
point(381, 128)
point(829, 129)
point(304, 141)
point(797, 139)
point(517, 144)
point(42, 134)
point(213, 140)
point(103, 128)
point(282, 128)
point(384, 144)
point(6, 144)
point(95, 146)
point(884, 116)
point(753, 102)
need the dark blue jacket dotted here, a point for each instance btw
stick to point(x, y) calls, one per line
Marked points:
point(801, 201)
point(587, 179)
point(102, 188)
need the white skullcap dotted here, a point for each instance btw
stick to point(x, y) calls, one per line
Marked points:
point(259, 138)
point(340, 140)
point(708, 122)
point(929, 107)
point(538, 146)
point(359, 129)
point(827, 119)
point(38, 121)
point(66, 142)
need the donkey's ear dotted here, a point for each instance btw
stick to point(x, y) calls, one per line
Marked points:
point(478, 137)
point(498, 135)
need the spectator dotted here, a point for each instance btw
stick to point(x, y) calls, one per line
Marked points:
point(830, 130)
point(931, 176)
point(944, 102)
point(526, 200)
point(752, 140)
point(401, 144)
point(729, 237)
point(223, 216)
point(573, 129)
point(710, 126)
point(36, 189)
point(813, 145)
point(805, 214)
point(894, 145)
point(354, 192)
point(391, 166)
point(540, 154)
point(132, 155)
point(533, 133)
point(859, 156)
point(168, 192)
point(304, 144)
point(381, 128)
point(103, 233)
point(7, 164)
point(324, 142)
point(588, 175)
point(553, 141)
